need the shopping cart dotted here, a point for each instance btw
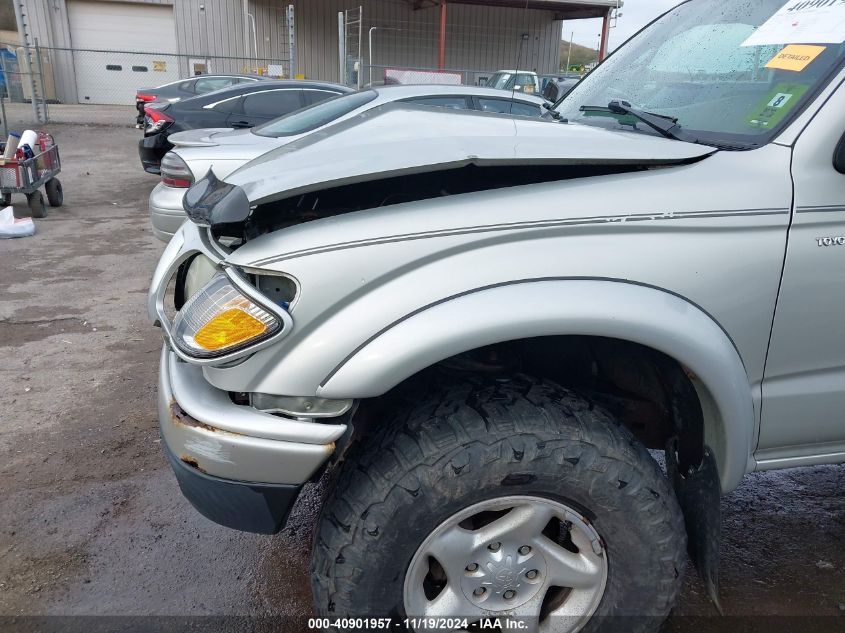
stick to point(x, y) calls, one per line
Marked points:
point(27, 175)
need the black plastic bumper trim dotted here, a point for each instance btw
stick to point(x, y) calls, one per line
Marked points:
point(151, 149)
point(251, 507)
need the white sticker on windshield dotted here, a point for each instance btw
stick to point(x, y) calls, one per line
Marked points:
point(779, 100)
point(803, 22)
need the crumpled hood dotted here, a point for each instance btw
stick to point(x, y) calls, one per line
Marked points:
point(399, 139)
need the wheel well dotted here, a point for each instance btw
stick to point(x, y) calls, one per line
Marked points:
point(653, 395)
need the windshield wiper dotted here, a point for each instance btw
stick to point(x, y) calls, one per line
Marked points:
point(665, 125)
point(550, 110)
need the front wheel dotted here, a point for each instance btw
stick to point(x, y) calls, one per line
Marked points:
point(513, 500)
point(55, 194)
point(37, 208)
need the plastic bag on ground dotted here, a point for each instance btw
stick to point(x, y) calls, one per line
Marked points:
point(13, 227)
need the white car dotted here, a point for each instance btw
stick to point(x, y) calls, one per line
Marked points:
point(225, 150)
point(515, 80)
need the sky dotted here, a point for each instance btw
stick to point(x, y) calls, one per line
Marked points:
point(635, 15)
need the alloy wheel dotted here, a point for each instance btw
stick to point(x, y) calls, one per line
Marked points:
point(520, 557)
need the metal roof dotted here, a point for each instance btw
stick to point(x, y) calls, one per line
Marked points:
point(563, 9)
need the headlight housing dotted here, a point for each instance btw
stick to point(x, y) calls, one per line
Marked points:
point(221, 319)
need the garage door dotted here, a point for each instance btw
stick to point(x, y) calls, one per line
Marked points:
point(147, 30)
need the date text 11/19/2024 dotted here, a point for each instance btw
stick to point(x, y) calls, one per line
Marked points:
point(415, 624)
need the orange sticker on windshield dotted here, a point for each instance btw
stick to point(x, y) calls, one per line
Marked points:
point(795, 57)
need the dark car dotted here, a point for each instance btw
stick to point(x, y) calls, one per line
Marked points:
point(556, 89)
point(239, 106)
point(185, 89)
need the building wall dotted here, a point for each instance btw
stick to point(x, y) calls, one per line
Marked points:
point(219, 29)
point(47, 22)
point(478, 38)
point(7, 16)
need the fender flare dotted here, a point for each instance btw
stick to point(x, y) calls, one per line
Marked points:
point(609, 308)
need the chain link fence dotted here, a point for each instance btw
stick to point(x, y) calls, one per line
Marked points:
point(23, 87)
point(112, 76)
point(377, 75)
point(36, 78)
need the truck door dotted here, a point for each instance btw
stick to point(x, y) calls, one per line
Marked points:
point(803, 412)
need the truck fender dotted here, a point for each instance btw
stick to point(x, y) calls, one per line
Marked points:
point(610, 308)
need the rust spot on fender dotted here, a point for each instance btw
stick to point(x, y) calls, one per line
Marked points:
point(193, 463)
point(181, 418)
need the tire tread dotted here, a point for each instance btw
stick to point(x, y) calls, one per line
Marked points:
point(474, 424)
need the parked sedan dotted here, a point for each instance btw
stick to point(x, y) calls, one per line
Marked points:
point(185, 89)
point(239, 106)
point(226, 150)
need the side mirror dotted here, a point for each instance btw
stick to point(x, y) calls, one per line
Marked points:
point(839, 157)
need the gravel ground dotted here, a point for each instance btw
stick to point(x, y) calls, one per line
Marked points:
point(92, 522)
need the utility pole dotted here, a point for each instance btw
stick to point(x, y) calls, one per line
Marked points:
point(569, 54)
point(605, 35)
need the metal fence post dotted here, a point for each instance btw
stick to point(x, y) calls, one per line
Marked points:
point(360, 56)
point(36, 111)
point(292, 41)
point(46, 117)
point(7, 92)
point(3, 114)
point(24, 34)
point(341, 46)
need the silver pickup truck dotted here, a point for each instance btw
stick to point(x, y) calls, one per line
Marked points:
point(487, 328)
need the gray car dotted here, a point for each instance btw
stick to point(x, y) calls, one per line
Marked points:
point(185, 89)
point(484, 324)
point(224, 150)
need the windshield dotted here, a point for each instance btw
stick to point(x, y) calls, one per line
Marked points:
point(732, 74)
point(499, 80)
point(316, 116)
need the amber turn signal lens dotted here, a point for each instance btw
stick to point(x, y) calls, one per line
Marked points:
point(219, 319)
point(229, 328)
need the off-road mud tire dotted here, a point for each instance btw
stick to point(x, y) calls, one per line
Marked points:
point(480, 439)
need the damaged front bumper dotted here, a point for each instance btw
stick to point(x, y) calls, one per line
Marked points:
point(238, 466)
